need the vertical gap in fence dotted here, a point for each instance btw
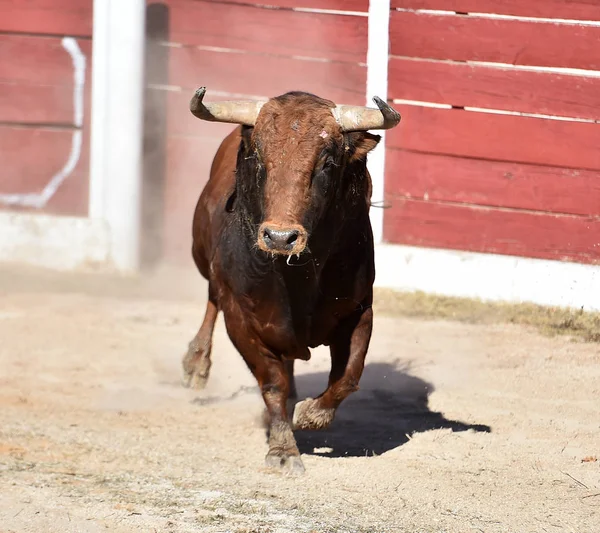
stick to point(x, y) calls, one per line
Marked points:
point(377, 79)
point(155, 134)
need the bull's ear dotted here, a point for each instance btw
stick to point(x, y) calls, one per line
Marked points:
point(361, 143)
point(247, 139)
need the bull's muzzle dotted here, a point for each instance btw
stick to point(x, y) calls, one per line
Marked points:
point(285, 240)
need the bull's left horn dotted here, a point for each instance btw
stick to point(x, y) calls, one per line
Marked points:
point(243, 112)
point(358, 118)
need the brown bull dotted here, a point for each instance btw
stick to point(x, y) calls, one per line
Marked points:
point(282, 234)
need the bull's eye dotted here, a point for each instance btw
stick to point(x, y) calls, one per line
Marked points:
point(327, 168)
point(321, 181)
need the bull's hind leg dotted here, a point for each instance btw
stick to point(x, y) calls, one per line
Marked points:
point(197, 363)
point(289, 370)
point(348, 347)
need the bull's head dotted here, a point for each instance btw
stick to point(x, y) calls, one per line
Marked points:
point(296, 152)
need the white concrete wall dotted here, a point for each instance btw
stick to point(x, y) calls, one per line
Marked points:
point(488, 276)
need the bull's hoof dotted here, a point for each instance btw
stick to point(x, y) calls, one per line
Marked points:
point(309, 415)
point(196, 368)
point(194, 381)
point(289, 465)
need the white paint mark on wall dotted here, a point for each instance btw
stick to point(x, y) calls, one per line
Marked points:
point(78, 59)
point(474, 14)
point(39, 200)
point(420, 103)
point(330, 11)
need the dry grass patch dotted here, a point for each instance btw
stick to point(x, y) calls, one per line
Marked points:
point(579, 324)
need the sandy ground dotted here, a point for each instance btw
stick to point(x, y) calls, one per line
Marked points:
point(456, 428)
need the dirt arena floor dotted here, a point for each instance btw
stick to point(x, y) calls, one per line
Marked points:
point(457, 427)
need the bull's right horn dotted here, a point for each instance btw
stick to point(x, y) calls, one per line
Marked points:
point(243, 112)
point(359, 118)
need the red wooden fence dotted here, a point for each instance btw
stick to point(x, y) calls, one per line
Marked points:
point(37, 114)
point(490, 179)
point(503, 157)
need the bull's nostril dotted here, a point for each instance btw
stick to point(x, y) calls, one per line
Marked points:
point(293, 238)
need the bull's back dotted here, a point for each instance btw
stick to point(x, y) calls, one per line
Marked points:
point(210, 212)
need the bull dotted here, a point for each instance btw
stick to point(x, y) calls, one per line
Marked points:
point(282, 233)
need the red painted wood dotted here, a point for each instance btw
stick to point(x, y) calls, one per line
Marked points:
point(71, 199)
point(561, 9)
point(459, 84)
point(463, 227)
point(56, 17)
point(337, 5)
point(36, 104)
point(32, 156)
point(517, 42)
point(38, 60)
point(188, 163)
point(181, 122)
point(37, 80)
point(266, 76)
point(499, 137)
point(491, 183)
point(269, 31)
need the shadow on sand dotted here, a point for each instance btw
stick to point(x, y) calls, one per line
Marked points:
point(390, 405)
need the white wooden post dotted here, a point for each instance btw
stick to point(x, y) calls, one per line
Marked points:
point(117, 122)
point(377, 84)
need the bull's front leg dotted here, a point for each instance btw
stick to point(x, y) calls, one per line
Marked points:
point(348, 348)
point(274, 384)
point(274, 381)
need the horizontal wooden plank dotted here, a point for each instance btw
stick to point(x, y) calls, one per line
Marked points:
point(36, 104)
point(561, 9)
point(333, 5)
point(270, 31)
point(462, 227)
point(469, 38)
point(464, 85)
point(31, 157)
point(266, 76)
point(498, 137)
point(491, 183)
point(38, 60)
point(50, 17)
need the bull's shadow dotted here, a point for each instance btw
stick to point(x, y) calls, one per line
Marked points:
point(390, 406)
